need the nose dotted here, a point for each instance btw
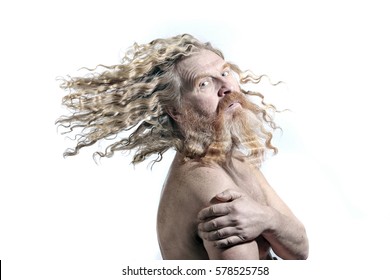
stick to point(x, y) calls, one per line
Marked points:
point(225, 88)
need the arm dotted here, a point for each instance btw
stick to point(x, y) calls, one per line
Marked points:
point(241, 219)
point(205, 183)
point(286, 233)
point(242, 251)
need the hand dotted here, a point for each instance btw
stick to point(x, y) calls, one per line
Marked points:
point(237, 220)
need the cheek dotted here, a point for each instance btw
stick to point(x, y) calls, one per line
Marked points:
point(205, 103)
point(208, 105)
point(236, 86)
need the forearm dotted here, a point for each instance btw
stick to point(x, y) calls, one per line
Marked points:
point(287, 237)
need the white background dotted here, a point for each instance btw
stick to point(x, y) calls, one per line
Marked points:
point(70, 218)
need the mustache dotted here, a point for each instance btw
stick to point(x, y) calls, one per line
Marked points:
point(235, 97)
point(229, 99)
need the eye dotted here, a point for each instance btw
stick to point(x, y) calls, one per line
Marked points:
point(225, 73)
point(204, 84)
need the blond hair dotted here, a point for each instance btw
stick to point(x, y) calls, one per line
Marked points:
point(135, 96)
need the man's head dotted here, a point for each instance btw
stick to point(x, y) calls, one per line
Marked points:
point(215, 117)
point(168, 94)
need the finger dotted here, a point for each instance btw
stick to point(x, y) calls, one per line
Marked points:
point(230, 241)
point(228, 195)
point(215, 224)
point(215, 210)
point(219, 234)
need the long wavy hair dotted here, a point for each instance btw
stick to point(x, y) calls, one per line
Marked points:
point(135, 96)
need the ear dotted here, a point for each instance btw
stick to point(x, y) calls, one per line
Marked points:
point(174, 114)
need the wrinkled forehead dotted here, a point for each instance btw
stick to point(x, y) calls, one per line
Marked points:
point(199, 63)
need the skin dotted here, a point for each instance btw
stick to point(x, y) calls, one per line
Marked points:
point(210, 212)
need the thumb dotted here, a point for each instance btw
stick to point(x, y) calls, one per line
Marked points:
point(228, 195)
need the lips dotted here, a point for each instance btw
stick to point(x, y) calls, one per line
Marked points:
point(231, 101)
point(233, 105)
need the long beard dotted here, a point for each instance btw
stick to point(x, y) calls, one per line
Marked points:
point(220, 137)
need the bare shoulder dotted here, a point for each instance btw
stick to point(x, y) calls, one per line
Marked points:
point(189, 188)
point(190, 185)
point(203, 182)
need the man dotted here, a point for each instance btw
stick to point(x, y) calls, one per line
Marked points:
point(180, 93)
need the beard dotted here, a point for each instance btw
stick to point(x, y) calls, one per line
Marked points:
point(235, 130)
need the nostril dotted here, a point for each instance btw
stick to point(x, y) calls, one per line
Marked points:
point(223, 91)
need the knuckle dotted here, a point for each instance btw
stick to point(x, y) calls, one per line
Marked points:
point(218, 235)
point(243, 237)
point(233, 207)
point(212, 210)
point(229, 241)
point(225, 243)
point(207, 227)
point(220, 244)
point(201, 215)
point(234, 221)
point(202, 235)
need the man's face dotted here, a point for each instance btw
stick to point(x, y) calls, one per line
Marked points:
point(207, 80)
point(215, 116)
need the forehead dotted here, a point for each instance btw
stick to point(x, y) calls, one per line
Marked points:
point(203, 61)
